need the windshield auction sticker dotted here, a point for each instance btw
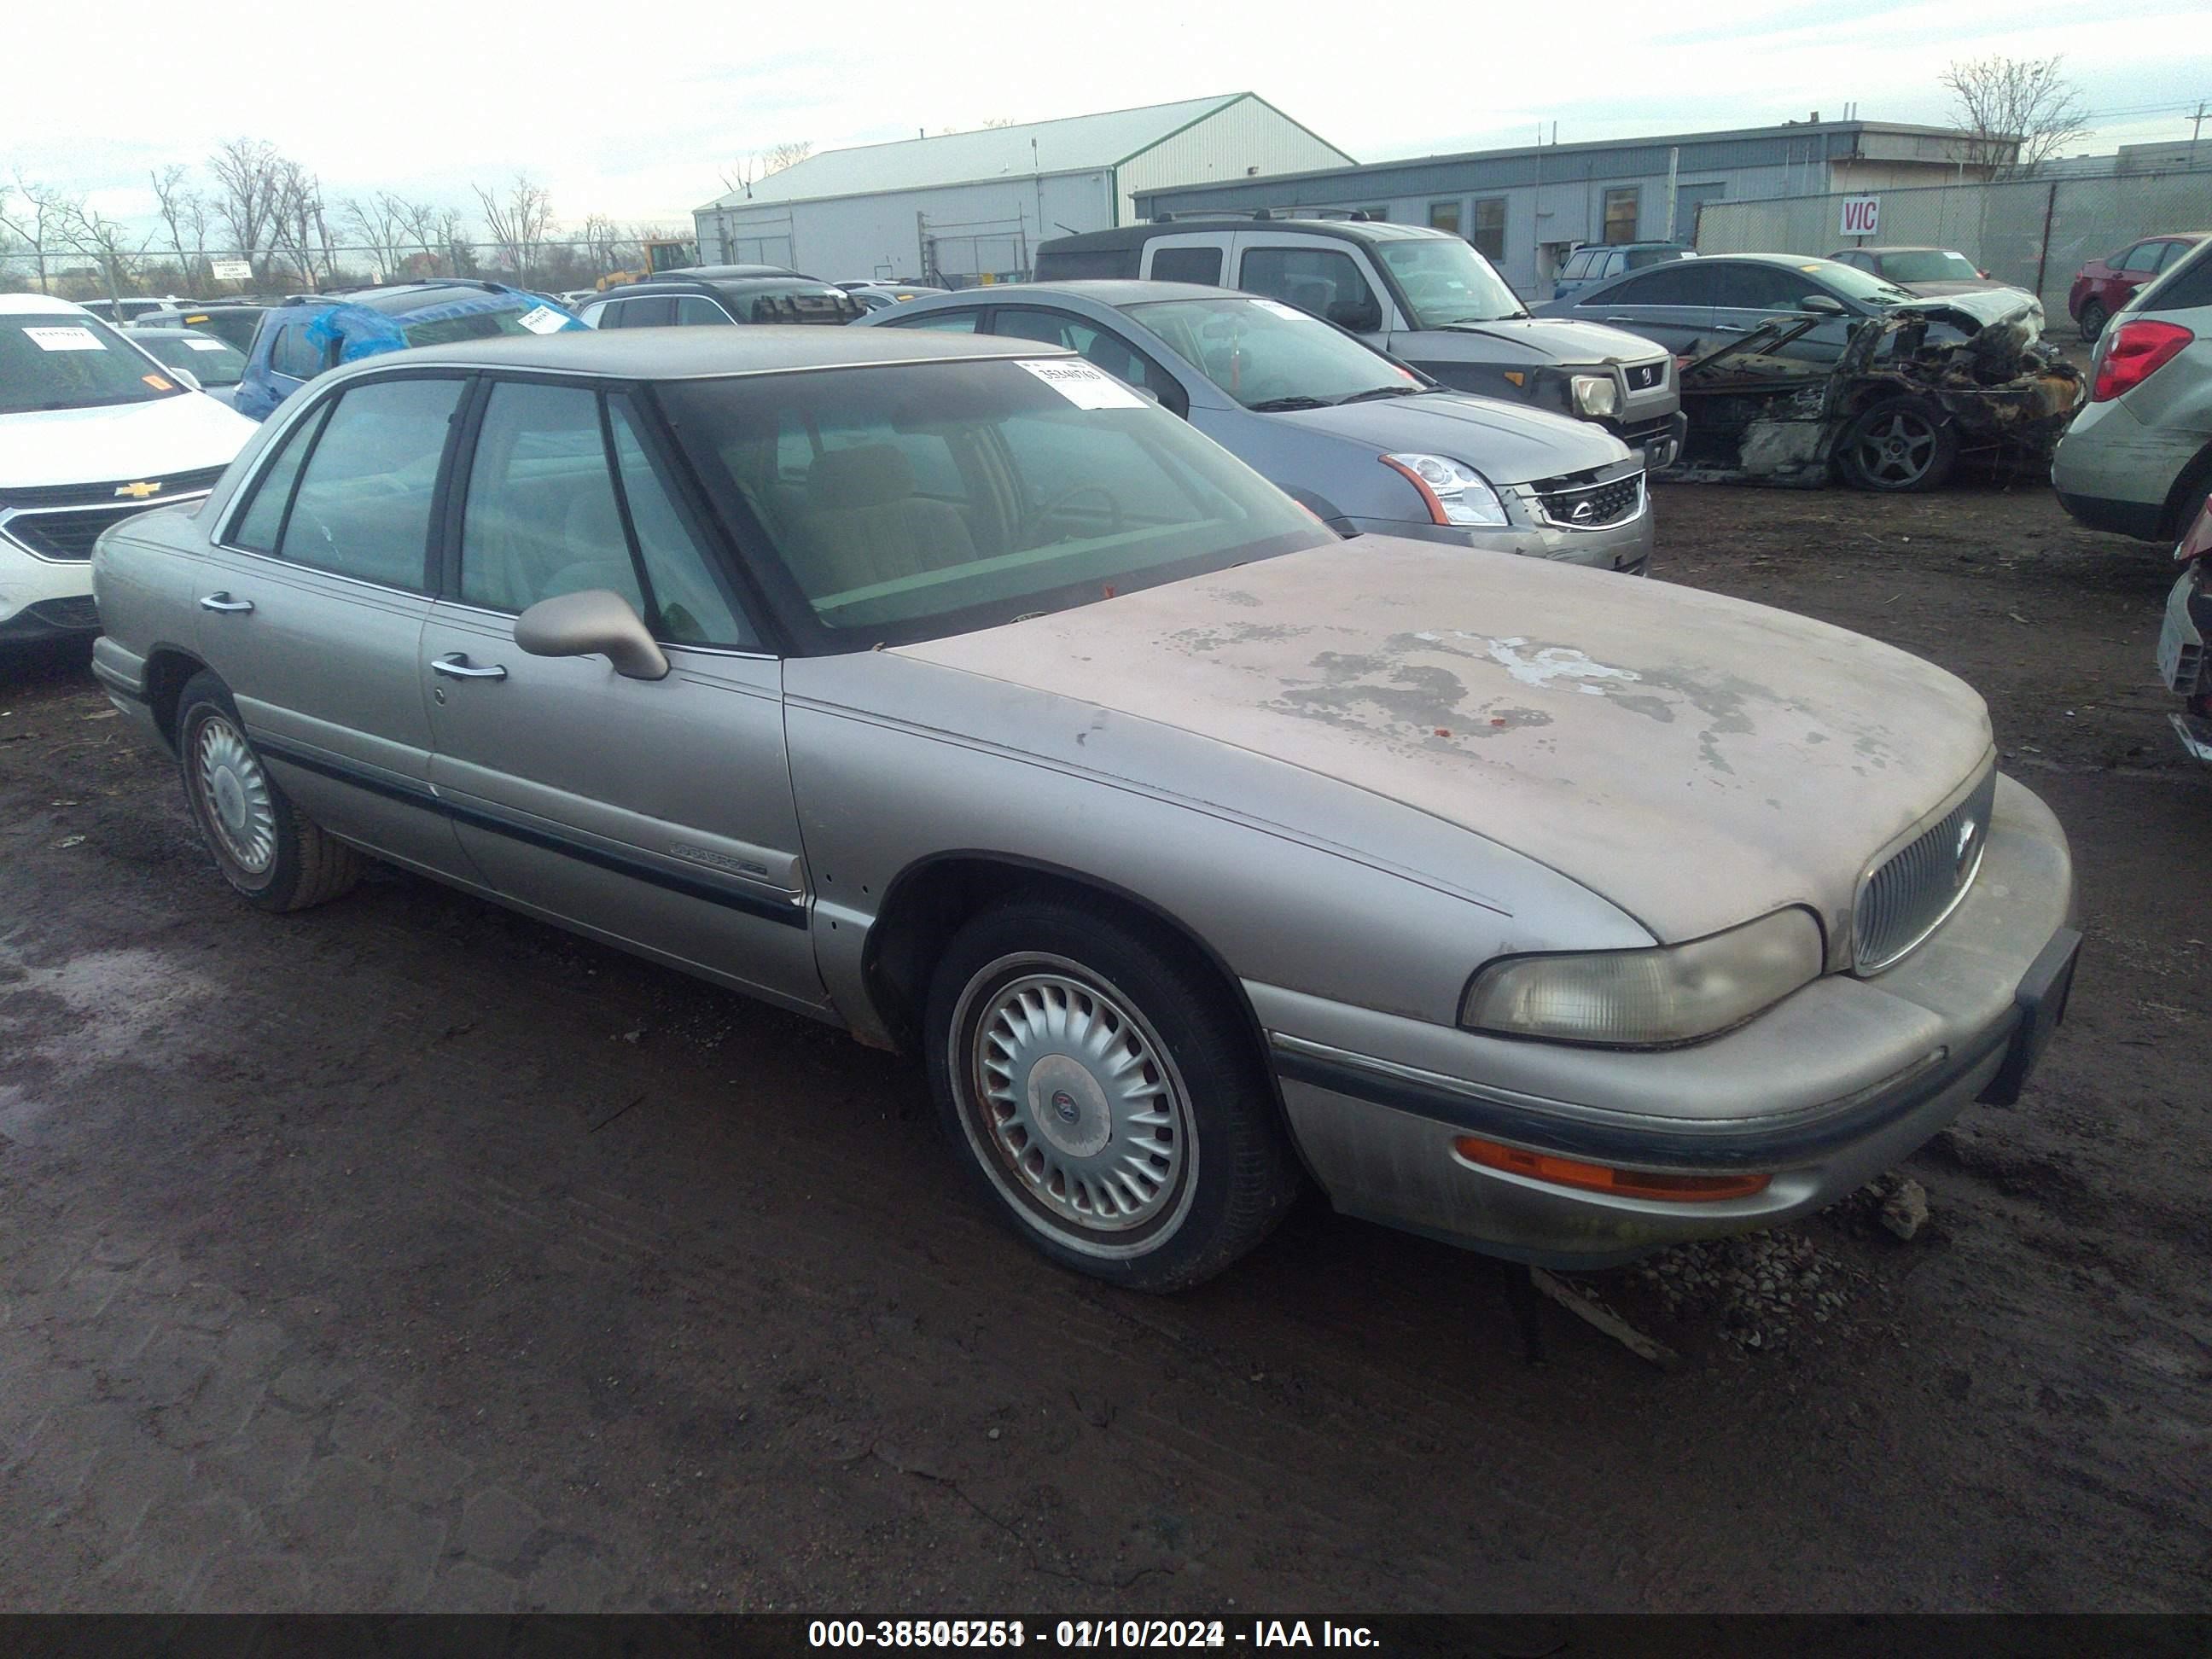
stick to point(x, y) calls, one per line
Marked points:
point(71, 339)
point(1278, 308)
point(543, 319)
point(204, 345)
point(1082, 386)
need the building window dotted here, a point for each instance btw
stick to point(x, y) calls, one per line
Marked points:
point(1444, 216)
point(1489, 237)
point(1620, 215)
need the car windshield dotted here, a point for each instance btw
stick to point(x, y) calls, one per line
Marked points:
point(63, 360)
point(1270, 355)
point(1929, 265)
point(1857, 284)
point(910, 502)
point(1445, 281)
point(212, 362)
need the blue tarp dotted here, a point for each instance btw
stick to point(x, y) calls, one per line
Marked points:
point(362, 332)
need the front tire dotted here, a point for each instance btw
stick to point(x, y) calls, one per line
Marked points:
point(1897, 446)
point(270, 853)
point(1107, 1095)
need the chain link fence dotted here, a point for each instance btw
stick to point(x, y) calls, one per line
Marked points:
point(2034, 232)
point(553, 267)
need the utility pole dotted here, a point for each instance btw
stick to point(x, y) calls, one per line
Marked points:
point(2195, 126)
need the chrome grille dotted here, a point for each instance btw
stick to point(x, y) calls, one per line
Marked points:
point(174, 484)
point(69, 535)
point(1906, 899)
point(1593, 507)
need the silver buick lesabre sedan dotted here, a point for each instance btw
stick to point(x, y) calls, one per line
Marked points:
point(943, 689)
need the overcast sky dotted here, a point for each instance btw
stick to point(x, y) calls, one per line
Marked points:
point(631, 111)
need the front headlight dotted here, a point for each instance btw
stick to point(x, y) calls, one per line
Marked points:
point(1453, 492)
point(1595, 394)
point(1651, 998)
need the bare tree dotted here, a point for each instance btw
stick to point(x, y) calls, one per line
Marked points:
point(249, 188)
point(109, 245)
point(30, 212)
point(185, 212)
point(2016, 112)
point(384, 222)
point(999, 121)
point(518, 221)
point(298, 230)
point(605, 246)
point(754, 165)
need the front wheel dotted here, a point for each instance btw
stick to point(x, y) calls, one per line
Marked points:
point(1897, 446)
point(1106, 1094)
point(267, 850)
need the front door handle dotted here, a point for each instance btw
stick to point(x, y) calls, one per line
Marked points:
point(224, 602)
point(456, 663)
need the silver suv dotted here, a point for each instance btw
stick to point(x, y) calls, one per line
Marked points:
point(2138, 458)
point(1423, 295)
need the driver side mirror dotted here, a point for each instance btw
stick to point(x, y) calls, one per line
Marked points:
point(1821, 305)
point(1361, 316)
point(596, 622)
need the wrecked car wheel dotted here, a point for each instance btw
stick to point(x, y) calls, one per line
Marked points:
point(1899, 445)
point(2092, 320)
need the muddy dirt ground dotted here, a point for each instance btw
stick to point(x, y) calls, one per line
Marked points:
point(406, 1254)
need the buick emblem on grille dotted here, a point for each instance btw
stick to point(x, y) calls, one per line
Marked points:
point(140, 490)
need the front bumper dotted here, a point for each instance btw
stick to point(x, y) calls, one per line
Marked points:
point(1625, 547)
point(2181, 659)
point(41, 598)
point(1822, 1092)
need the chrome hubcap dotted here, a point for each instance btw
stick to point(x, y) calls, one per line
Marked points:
point(235, 792)
point(1079, 1115)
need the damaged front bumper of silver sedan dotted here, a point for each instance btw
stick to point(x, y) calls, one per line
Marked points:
point(1608, 1154)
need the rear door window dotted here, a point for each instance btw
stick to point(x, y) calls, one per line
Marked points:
point(693, 311)
point(1187, 265)
point(2142, 257)
point(1314, 279)
point(1760, 288)
point(1677, 284)
point(363, 507)
point(291, 354)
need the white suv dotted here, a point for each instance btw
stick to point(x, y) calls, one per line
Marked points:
point(92, 430)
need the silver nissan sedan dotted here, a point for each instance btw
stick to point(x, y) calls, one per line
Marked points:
point(943, 689)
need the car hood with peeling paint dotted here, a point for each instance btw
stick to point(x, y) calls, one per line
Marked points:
point(1696, 760)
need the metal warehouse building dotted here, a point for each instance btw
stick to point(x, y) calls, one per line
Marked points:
point(1528, 209)
point(970, 207)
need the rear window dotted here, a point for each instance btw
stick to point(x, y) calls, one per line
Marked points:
point(1086, 265)
point(2186, 286)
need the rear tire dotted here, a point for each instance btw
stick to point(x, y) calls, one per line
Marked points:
point(1897, 446)
point(2091, 319)
point(1106, 1095)
point(271, 854)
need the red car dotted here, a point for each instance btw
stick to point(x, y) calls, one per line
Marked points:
point(2103, 286)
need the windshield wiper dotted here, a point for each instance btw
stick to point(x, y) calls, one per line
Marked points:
point(1277, 405)
point(1375, 392)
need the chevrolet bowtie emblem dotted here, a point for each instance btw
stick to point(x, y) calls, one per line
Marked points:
point(138, 491)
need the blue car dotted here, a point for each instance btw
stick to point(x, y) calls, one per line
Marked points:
point(311, 332)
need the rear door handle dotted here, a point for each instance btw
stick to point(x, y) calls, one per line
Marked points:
point(224, 602)
point(456, 663)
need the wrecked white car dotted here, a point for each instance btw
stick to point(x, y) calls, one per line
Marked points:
point(1915, 392)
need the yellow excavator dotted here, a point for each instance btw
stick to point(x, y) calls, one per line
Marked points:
point(662, 255)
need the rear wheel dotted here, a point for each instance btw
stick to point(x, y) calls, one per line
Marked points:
point(1897, 446)
point(270, 854)
point(2091, 319)
point(1107, 1095)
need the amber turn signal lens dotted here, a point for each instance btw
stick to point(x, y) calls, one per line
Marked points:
point(1603, 1178)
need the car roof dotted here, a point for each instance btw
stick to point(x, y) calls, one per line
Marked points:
point(173, 334)
point(1349, 230)
point(40, 304)
point(719, 285)
point(1106, 291)
point(413, 296)
point(691, 353)
point(1900, 247)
